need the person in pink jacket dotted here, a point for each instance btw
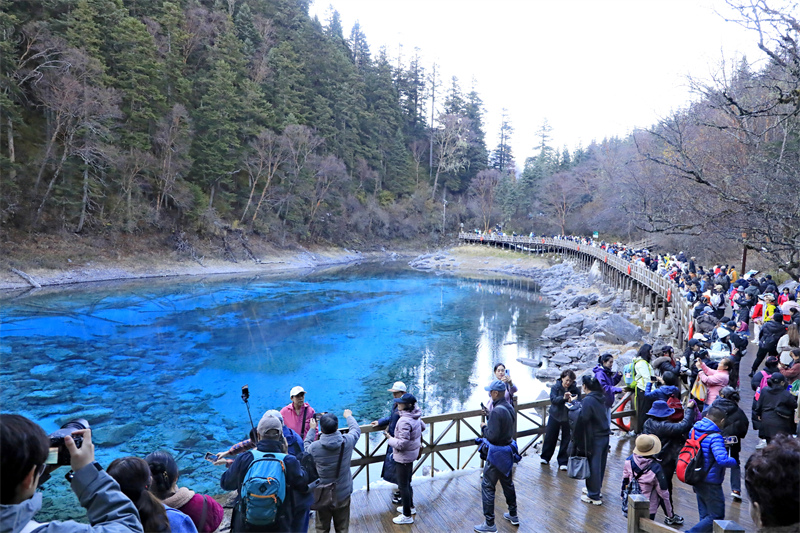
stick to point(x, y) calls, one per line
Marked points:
point(648, 473)
point(715, 380)
point(406, 444)
point(298, 414)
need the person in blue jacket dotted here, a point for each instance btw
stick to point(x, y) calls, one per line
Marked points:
point(710, 498)
point(668, 386)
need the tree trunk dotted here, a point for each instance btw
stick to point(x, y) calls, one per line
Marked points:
point(11, 151)
point(52, 182)
point(85, 199)
point(263, 195)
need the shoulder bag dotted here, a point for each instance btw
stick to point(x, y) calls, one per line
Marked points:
point(325, 494)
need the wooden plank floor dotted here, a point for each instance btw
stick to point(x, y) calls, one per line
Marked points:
point(547, 499)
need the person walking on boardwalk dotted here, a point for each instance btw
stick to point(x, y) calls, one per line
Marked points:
point(498, 435)
point(710, 498)
point(387, 472)
point(591, 434)
point(564, 390)
point(406, 445)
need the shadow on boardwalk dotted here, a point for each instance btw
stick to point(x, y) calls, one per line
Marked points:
point(548, 500)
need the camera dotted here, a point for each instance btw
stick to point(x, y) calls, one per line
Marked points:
point(60, 456)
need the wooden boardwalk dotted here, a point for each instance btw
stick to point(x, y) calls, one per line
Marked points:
point(547, 499)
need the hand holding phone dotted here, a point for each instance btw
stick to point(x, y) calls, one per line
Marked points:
point(213, 457)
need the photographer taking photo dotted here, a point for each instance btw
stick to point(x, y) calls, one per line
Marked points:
point(24, 450)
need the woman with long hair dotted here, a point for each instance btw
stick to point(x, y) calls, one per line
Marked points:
point(205, 511)
point(133, 476)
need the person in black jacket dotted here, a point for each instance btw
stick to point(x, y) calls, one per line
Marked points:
point(666, 362)
point(771, 333)
point(774, 409)
point(499, 431)
point(271, 439)
point(736, 425)
point(564, 390)
point(671, 434)
point(591, 437)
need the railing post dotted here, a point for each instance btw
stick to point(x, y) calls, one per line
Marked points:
point(727, 526)
point(638, 507)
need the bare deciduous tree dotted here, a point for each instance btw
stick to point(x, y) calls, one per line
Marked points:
point(484, 189)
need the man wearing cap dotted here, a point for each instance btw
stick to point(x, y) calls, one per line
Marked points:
point(298, 414)
point(270, 440)
point(397, 390)
point(498, 431)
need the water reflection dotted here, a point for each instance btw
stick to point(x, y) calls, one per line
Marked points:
point(160, 364)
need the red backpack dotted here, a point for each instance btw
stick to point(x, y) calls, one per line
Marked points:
point(676, 404)
point(691, 467)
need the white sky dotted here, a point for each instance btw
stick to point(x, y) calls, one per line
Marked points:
point(592, 68)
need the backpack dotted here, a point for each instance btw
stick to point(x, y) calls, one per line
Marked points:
point(629, 373)
point(263, 489)
point(716, 300)
point(632, 487)
point(762, 385)
point(676, 404)
point(691, 463)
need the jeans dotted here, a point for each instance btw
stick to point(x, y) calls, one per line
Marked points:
point(642, 406)
point(597, 466)
point(710, 504)
point(760, 355)
point(491, 476)
point(668, 467)
point(736, 471)
point(550, 438)
point(340, 517)
point(403, 471)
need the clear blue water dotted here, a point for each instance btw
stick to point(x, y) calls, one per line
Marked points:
point(160, 364)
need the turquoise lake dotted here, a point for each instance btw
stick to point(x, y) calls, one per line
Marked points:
point(159, 364)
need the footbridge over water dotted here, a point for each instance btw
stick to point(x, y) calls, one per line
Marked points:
point(659, 294)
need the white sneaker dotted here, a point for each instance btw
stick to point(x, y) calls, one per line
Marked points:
point(543, 461)
point(584, 490)
point(563, 467)
point(413, 510)
point(403, 519)
point(761, 444)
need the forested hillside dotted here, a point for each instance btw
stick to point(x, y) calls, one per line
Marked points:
point(712, 178)
point(202, 116)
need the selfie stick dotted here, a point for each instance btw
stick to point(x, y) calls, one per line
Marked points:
point(245, 397)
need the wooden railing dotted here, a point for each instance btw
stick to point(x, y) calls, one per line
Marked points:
point(639, 519)
point(663, 287)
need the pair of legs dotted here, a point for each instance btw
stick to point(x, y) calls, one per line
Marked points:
point(555, 427)
point(340, 517)
point(597, 467)
point(760, 355)
point(491, 476)
point(642, 406)
point(710, 504)
point(403, 471)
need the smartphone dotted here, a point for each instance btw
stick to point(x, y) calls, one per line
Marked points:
point(733, 439)
point(653, 379)
point(507, 373)
point(211, 457)
point(245, 392)
point(483, 407)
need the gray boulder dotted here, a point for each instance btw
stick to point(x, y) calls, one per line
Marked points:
point(560, 359)
point(569, 327)
point(618, 330)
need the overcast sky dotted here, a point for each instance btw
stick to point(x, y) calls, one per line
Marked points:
point(592, 68)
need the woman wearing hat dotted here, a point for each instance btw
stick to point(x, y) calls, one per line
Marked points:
point(772, 412)
point(672, 435)
point(406, 443)
point(643, 466)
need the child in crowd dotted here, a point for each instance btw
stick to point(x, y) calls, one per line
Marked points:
point(642, 467)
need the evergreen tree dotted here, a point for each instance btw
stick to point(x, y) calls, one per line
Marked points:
point(454, 103)
point(502, 154)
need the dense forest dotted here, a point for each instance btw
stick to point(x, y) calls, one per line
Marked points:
point(207, 119)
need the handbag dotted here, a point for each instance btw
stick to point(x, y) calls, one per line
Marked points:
point(388, 472)
point(325, 493)
point(699, 390)
point(578, 467)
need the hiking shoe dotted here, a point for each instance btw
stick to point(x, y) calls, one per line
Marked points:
point(413, 510)
point(513, 519)
point(562, 467)
point(587, 499)
point(543, 461)
point(737, 495)
point(481, 528)
point(396, 500)
point(403, 519)
point(674, 520)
